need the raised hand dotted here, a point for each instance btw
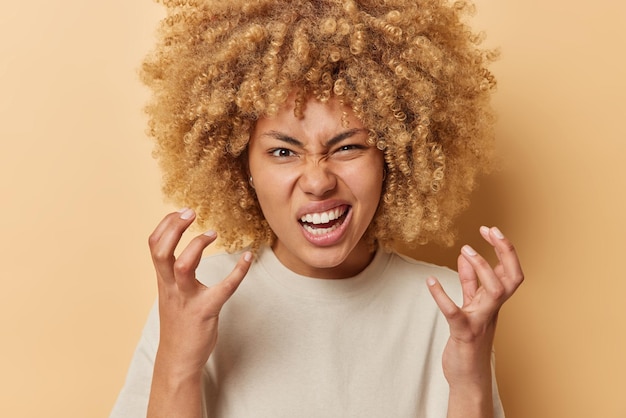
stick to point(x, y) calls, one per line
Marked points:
point(188, 313)
point(466, 358)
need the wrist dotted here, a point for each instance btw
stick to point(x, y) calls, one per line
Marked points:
point(470, 401)
point(176, 371)
point(176, 389)
point(467, 364)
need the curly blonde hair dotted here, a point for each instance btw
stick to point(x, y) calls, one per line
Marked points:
point(411, 71)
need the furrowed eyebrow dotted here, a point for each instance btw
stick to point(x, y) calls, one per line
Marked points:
point(331, 142)
point(344, 135)
point(284, 138)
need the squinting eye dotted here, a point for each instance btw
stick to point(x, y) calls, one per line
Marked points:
point(282, 152)
point(350, 147)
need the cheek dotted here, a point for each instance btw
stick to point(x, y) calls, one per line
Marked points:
point(272, 190)
point(372, 191)
point(367, 180)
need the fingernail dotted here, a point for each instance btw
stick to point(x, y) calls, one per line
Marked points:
point(467, 250)
point(497, 232)
point(186, 214)
point(484, 230)
point(247, 256)
point(431, 281)
point(210, 233)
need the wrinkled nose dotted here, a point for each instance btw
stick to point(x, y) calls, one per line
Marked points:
point(317, 179)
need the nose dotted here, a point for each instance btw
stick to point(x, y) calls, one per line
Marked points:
point(317, 179)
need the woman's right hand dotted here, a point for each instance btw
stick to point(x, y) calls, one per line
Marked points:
point(188, 313)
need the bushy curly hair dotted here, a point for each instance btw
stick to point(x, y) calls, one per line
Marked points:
point(411, 70)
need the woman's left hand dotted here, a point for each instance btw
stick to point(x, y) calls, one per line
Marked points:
point(467, 355)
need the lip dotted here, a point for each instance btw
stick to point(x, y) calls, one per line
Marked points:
point(318, 207)
point(332, 237)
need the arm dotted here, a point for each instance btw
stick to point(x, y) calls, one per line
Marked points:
point(467, 355)
point(188, 313)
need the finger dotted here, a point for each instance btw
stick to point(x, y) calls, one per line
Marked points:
point(488, 279)
point(227, 287)
point(165, 238)
point(468, 278)
point(187, 262)
point(511, 266)
point(484, 232)
point(448, 308)
point(163, 224)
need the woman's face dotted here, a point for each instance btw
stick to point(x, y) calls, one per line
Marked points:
point(318, 184)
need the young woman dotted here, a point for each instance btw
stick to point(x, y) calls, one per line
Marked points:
point(313, 136)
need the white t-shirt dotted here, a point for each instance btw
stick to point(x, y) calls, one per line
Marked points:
point(293, 346)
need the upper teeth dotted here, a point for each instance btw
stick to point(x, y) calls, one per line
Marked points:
point(323, 217)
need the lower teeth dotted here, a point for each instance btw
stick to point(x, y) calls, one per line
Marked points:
point(320, 231)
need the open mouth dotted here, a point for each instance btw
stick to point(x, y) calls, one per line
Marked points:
point(324, 222)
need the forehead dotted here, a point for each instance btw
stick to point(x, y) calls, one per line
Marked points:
point(319, 120)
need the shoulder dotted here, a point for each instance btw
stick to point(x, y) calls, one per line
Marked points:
point(413, 272)
point(405, 264)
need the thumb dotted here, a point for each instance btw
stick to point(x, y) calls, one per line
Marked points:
point(227, 287)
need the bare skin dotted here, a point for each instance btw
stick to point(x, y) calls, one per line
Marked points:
point(310, 165)
point(189, 313)
point(304, 167)
point(466, 358)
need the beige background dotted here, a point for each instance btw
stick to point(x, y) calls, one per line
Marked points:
point(80, 194)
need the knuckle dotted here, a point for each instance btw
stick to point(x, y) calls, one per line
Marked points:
point(183, 267)
point(497, 292)
point(452, 313)
point(482, 263)
point(160, 255)
point(153, 240)
point(508, 246)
